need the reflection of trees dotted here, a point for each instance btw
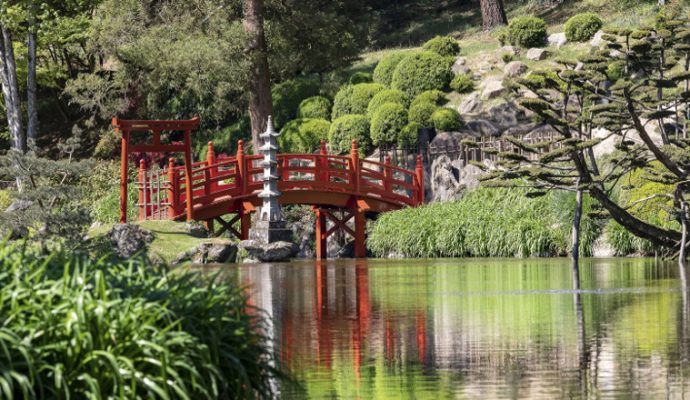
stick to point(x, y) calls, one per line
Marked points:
point(353, 330)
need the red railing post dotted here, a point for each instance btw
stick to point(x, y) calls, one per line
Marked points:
point(189, 179)
point(210, 162)
point(322, 165)
point(123, 173)
point(242, 178)
point(419, 174)
point(387, 175)
point(173, 189)
point(208, 174)
point(142, 190)
point(354, 158)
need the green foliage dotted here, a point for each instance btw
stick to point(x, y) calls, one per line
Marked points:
point(354, 99)
point(527, 32)
point(387, 123)
point(443, 45)
point(315, 107)
point(514, 226)
point(383, 73)
point(462, 83)
point(303, 135)
point(287, 97)
point(346, 128)
point(102, 192)
point(409, 135)
point(615, 70)
point(78, 328)
point(383, 97)
point(5, 199)
point(420, 72)
point(360, 77)
point(421, 112)
point(446, 119)
point(582, 27)
point(431, 96)
point(507, 57)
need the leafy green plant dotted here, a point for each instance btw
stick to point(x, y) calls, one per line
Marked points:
point(5, 199)
point(360, 77)
point(287, 97)
point(354, 99)
point(347, 128)
point(315, 107)
point(446, 119)
point(462, 83)
point(303, 135)
point(443, 45)
point(387, 123)
point(582, 27)
point(527, 32)
point(409, 135)
point(421, 113)
point(72, 327)
point(507, 57)
point(383, 73)
point(431, 96)
point(383, 97)
point(420, 72)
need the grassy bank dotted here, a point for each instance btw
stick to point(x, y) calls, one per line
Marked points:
point(79, 328)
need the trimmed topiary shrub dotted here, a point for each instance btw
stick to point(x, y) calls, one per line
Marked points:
point(421, 112)
point(383, 73)
point(462, 83)
point(431, 96)
point(615, 70)
point(527, 32)
point(446, 119)
point(582, 27)
point(354, 99)
point(315, 107)
point(360, 77)
point(287, 97)
point(345, 129)
point(443, 45)
point(383, 97)
point(407, 138)
point(387, 123)
point(303, 135)
point(420, 72)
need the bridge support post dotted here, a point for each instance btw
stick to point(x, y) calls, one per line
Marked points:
point(360, 227)
point(321, 234)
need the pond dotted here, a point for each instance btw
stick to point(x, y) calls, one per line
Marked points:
point(482, 328)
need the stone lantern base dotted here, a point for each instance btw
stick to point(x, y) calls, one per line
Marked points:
point(270, 232)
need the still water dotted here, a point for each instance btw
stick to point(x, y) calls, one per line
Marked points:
point(477, 329)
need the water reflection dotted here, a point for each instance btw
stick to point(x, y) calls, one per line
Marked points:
point(477, 329)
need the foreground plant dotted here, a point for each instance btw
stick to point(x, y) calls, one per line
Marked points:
point(81, 329)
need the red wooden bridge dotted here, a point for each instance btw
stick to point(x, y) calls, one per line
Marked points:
point(342, 190)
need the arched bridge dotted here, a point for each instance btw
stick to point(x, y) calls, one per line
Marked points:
point(223, 190)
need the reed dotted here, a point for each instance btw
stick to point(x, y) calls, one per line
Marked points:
point(76, 328)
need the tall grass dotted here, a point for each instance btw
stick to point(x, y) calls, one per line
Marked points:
point(74, 328)
point(484, 223)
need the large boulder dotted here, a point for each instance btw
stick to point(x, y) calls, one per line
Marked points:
point(253, 251)
point(557, 39)
point(481, 127)
point(493, 89)
point(507, 115)
point(196, 229)
point(514, 68)
point(459, 66)
point(445, 185)
point(597, 39)
point(537, 54)
point(129, 239)
point(471, 104)
point(217, 251)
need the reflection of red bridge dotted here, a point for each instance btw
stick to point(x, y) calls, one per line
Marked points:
point(208, 190)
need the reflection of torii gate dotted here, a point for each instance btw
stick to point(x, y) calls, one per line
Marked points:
point(208, 190)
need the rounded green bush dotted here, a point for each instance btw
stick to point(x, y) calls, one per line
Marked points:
point(615, 70)
point(420, 72)
point(431, 96)
point(315, 107)
point(582, 27)
point(303, 135)
point(383, 97)
point(345, 129)
point(287, 97)
point(446, 119)
point(354, 99)
point(421, 112)
point(462, 83)
point(443, 45)
point(383, 73)
point(527, 32)
point(408, 136)
point(387, 123)
point(360, 77)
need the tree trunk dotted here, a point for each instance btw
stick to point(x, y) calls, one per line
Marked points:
point(493, 14)
point(32, 107)
point(260, 102)
point(10, 91)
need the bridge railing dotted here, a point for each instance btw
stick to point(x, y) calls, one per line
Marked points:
point(162, 194)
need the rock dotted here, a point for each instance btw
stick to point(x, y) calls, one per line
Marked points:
point(462, 70)
point(446, 140)
point(514, 68)
point(253, 251)
point(218, 251)
point(557, 39)
point(607, 144)
point(493, 89)
point(615, 53)
point(469, 176)
point(597, 39)
point(19, 205)
point(458, 64)
point(579, 66)
point(603, 249)
point(129, 239)
point(196, 229)
point(444, 180)
point(481, 127)
point(507, 115)
point(537, 54)
point(485, 67)
point(506, 50)
point(471, 104)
